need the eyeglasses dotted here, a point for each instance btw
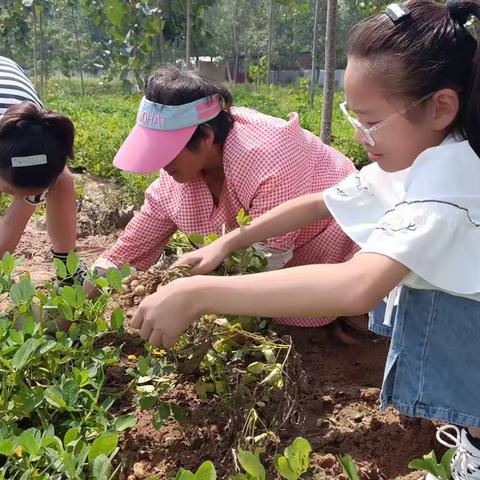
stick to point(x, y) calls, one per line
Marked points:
point(367, 132)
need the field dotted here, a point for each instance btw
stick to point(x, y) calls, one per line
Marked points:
point(95, 402)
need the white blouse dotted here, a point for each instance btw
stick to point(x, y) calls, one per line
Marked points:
point(426, 217)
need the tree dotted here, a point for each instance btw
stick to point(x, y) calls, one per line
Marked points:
point(189, 35)
point(133, 27)
point(330, 64)
point(270, 35)
point(314, 52)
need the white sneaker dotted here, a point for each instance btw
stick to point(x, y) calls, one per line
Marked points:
point(466, 460)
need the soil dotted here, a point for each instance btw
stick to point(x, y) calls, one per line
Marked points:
point(338, 406)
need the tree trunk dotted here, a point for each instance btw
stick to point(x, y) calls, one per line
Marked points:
point(314, 53)
point(42, 55)
point(35, 78)
point(79, 52)
point(330, 64)
point(161, 42)
point(235, 40)
point(189, 34)
point(162, 47)
point(229, 73)
point(270, 35)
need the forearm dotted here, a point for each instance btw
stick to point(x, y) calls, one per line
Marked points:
point(62, 214)
point(313, 290)
point(287, 217)
point(13, 224)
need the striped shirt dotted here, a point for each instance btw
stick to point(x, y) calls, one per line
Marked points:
point(15, 87)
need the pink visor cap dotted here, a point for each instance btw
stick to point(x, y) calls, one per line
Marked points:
point(161, 133)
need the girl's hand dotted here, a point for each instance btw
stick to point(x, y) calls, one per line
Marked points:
point(163, 316)
point(205, 259)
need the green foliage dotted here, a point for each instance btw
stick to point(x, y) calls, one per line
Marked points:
point(54, 413)
point(291, 466)
point(430, 464)
point(349, 467)
point(258, 73)
point(295, 461)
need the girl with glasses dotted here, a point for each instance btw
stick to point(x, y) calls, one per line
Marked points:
point(412, 88)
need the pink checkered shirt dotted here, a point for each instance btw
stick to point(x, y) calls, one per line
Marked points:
point(266, 162)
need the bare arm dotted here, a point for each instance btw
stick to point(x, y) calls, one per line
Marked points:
point(349, 288)
point(13, 224)
point(62, 213)
point(287, 217)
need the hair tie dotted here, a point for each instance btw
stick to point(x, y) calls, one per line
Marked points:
point(462, 11)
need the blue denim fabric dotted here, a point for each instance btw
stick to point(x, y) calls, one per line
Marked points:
point(376, 318)
point(433, 365)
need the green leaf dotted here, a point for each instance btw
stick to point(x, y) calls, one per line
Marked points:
point(25, 353)
point(73, 262)
point(274, 377)
point(283, 468)
point(16, 294)
point(105, 444)
point(250, 462)
point(126, 270)
point(147, 402)
point(243, 218)
point(31, 444)
point(8, 263)
point(196, 239)
point(102, 467)
point(124, 422)
point(101, 282)
point(27, 288)
point(80, 294)
point(69, 295)
point(177, 413)
point(61, 269)
point(117, 319)
point(183, 474)
point(160, 416)
point(71, 435)
point(114, 10)
point(269, 354)
point(65, 311)
point(447, 460)
point(349, 467)
point(6, 447)
point(206, 471)
point(429, 463)
point(53, 395)
point(70, 392)
point(256, 368)
point(298, 455)
point(114, 278)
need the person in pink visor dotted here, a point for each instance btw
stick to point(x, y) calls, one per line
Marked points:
point(215, 159)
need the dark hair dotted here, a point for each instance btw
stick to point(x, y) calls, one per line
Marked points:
point(428, 49)
point(27, 129)
point(170, 86)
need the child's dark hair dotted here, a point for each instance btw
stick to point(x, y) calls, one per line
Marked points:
point(27, 130)
point(427, 50)
point(170, 86)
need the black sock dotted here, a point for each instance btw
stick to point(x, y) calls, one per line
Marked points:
point(475, 441)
